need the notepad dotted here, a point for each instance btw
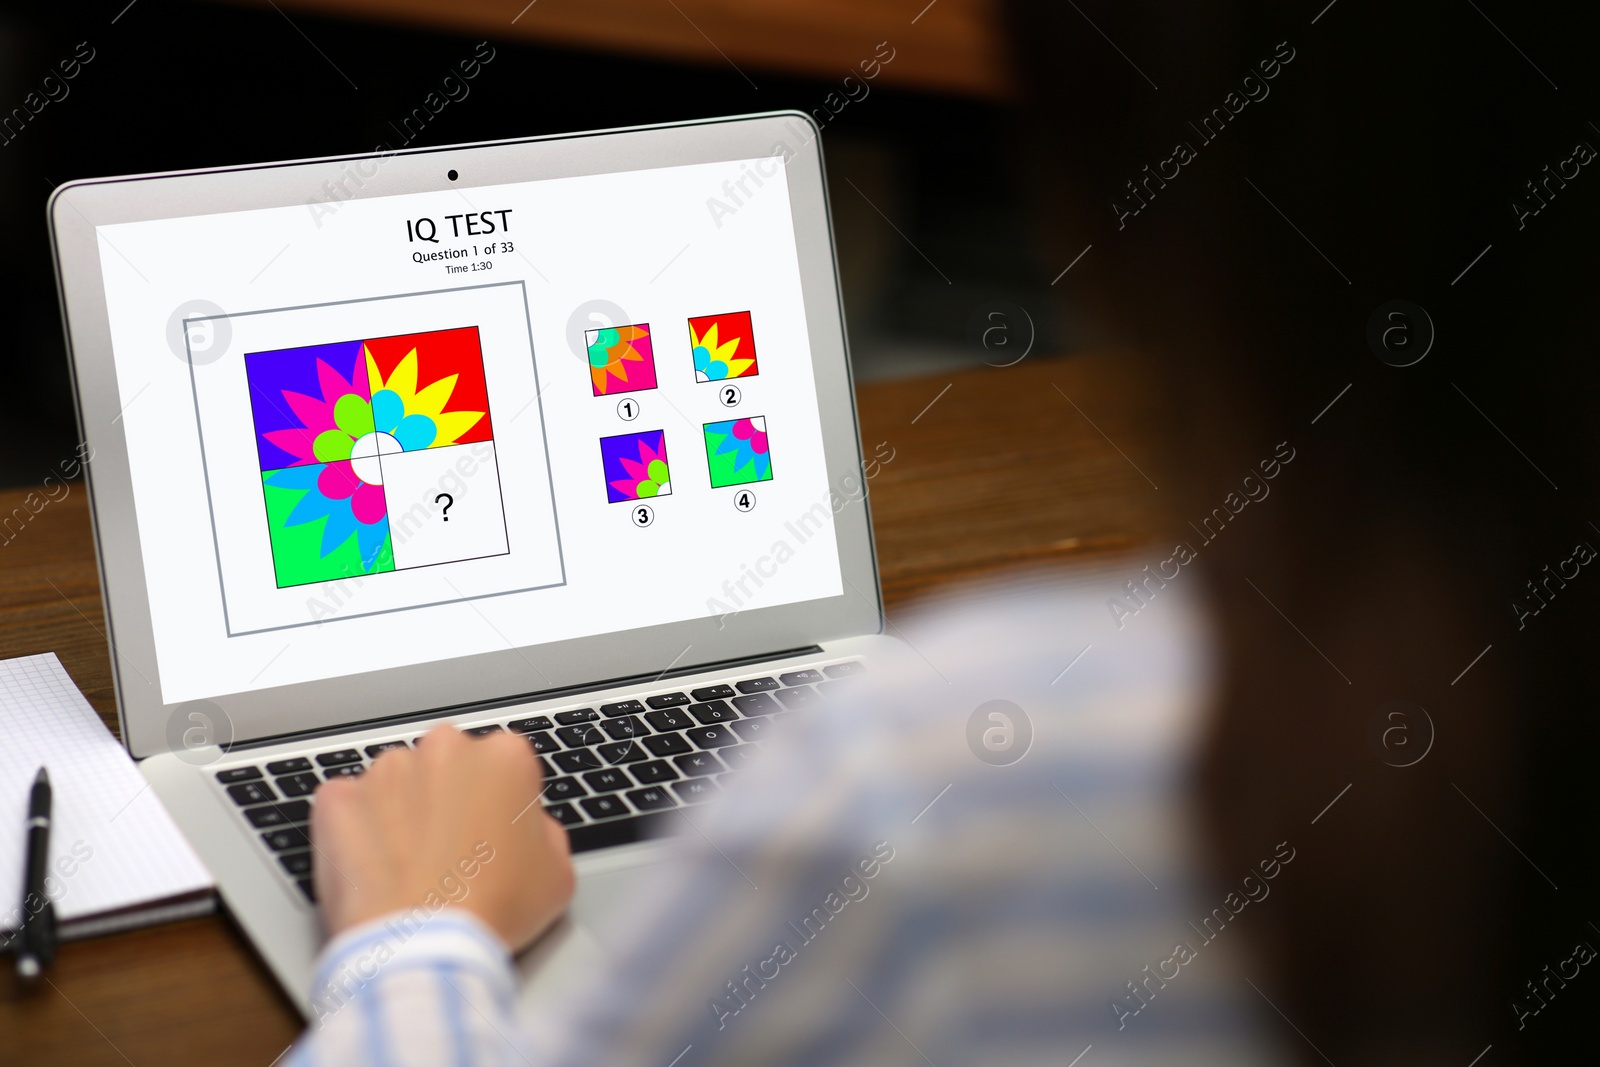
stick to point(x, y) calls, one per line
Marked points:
point(116, 859)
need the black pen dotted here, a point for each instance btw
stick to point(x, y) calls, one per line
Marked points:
point(36, 940)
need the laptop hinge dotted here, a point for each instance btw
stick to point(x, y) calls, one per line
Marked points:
point(525, 698)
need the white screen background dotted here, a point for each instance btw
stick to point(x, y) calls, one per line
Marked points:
point(644, 241)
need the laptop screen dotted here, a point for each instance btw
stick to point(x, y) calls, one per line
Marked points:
point(365, 433)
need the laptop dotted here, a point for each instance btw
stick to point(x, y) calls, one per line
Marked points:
point(553, 436)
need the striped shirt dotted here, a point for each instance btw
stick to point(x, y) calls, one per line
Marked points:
point(986, 856)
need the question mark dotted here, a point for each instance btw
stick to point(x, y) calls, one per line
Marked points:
point(448, 499)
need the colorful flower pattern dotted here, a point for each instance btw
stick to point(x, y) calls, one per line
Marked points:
point(737, 451)
point(723, 347)
point(635, 466)
point(621, 359)
point(326, 415)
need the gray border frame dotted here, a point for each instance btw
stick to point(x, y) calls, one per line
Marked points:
point(77, 208)
point(544, 441)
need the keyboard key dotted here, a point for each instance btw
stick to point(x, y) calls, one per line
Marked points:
point(565, 814)
point(666, 744)
point(563, 789)
point(838, 688)
point(285, 838)
point(580, 736)
point(335, 759)
point(801, 696)
point(349, 770)
point(725, 780)
point(667, 700)
point(625, 727)
point(657, 770)
point(299, 785)
point(484, 731)
point(289, 766)
point(845, 670)
point(711, 736)
point(527, 726)
point(739, 756)
point(603, 807)
point(296, 862)
point(806, 677)
point(309, 890)
point(384, 746)
point(757, 685)
point(622, 752)
point(752, 729)
point(542, 742)
point(576, 762)
point(289, 811)
point(714, 692)
point(251, 793)
point(759, 704)
point(608, 781)
point(651, 799)
point(696, 790)
point(713, 711)
point(573, 718)
point(238, 774)
point(622, 707)
point(697, 763)
point(669, 720)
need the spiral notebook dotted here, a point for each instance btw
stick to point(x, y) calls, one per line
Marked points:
point(117, 861)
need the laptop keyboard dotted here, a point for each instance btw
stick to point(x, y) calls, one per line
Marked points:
point(612, 772)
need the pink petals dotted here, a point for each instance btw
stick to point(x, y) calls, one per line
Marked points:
point(745, 430)
point(338, 480)
point(368, 504)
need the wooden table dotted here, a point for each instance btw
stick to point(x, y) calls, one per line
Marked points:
point(990, 468)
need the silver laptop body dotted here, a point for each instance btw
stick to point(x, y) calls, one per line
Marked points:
point(552, 435)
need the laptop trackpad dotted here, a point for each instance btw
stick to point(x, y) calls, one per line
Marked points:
point(565, 958)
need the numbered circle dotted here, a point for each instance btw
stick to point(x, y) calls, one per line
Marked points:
point(744, 500)
point(643, 515)
point(628, 409)
point(729, 395)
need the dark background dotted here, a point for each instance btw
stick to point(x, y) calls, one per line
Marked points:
point(1385, 159)
point(164, 92)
